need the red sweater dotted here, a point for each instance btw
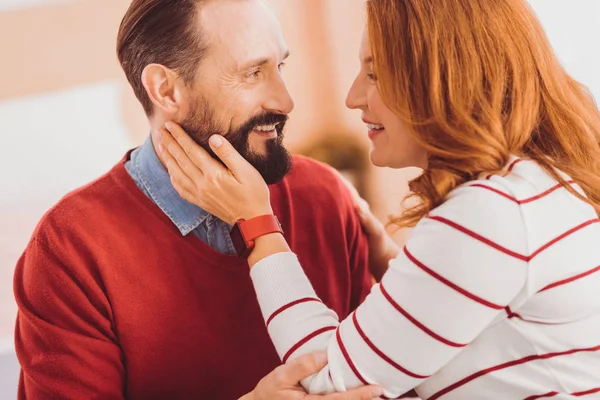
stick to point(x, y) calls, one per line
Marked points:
point(114, 303)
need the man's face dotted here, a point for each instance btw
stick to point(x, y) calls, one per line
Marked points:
point(239, 91)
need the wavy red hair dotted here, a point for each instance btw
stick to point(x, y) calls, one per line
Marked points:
point(477, 81)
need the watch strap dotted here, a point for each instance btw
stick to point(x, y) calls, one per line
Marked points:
point(259, 226)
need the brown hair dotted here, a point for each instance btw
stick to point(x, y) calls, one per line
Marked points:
point(161, 32)
point(477, 81)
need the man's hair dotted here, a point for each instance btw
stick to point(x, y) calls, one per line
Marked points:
point(160, 32)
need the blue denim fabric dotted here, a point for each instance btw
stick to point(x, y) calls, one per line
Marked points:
point(152, 178)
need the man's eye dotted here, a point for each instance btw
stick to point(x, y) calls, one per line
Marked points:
point(280, 66)
point(254, 74)
point(371, 76)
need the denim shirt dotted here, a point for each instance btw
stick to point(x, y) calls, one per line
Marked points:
point(152, 178)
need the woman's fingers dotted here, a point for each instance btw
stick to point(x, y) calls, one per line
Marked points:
point(237, 164)
point(171, 146)
point(370, 224)
point(190, 151)
point(180, 180)
point(229, 192)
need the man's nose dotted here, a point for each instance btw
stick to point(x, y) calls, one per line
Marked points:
point(280, 101)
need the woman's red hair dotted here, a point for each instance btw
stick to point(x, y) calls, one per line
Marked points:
point(477, 81)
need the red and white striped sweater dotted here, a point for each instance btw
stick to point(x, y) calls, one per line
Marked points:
point(496, 296)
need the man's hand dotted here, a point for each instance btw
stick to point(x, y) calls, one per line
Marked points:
point(283, 383)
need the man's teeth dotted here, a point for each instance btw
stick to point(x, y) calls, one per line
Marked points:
point(375, 127)
point(265, 128)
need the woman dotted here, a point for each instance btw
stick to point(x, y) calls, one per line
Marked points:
point(495, 293)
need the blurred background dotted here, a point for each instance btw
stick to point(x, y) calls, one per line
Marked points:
point(67, 114)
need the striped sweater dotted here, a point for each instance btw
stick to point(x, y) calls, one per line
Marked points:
point(494, 296)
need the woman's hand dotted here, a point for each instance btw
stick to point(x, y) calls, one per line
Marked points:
point(283, 383)
point(381, 246)
point(234, 192)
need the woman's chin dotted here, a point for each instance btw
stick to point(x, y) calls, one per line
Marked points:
point(384, 161)
point(377, 159)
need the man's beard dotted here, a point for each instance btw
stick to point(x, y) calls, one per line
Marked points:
point(274, 165)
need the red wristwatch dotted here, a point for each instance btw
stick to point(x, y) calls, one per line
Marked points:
point(244, 232)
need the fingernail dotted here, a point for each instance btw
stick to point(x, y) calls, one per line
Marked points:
point(161, 149)
point(216, 141)
point(168, 126)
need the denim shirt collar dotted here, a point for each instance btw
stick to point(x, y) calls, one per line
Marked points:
point(155, 178)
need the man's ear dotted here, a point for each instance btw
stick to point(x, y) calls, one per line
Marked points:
point(164, 87)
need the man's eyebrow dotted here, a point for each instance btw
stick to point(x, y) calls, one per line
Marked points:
point(260, 62)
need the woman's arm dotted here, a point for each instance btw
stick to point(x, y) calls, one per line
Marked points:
point(460, 268)
point(439, 294)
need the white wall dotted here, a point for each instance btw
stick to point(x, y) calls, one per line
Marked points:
point(573, 27)
point(52, 143)
point(11, 5)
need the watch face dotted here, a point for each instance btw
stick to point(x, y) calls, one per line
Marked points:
point(238, 240)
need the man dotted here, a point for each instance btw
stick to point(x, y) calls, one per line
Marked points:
point(126, 290)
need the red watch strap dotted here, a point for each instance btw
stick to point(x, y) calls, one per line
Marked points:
point(259, 226)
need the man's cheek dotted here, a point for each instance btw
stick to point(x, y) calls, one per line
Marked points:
point(235, 102)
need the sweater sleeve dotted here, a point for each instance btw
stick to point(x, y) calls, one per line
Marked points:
point(64, 340)
point(461, 266)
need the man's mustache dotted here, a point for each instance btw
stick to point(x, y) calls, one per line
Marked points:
point(265, 119)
